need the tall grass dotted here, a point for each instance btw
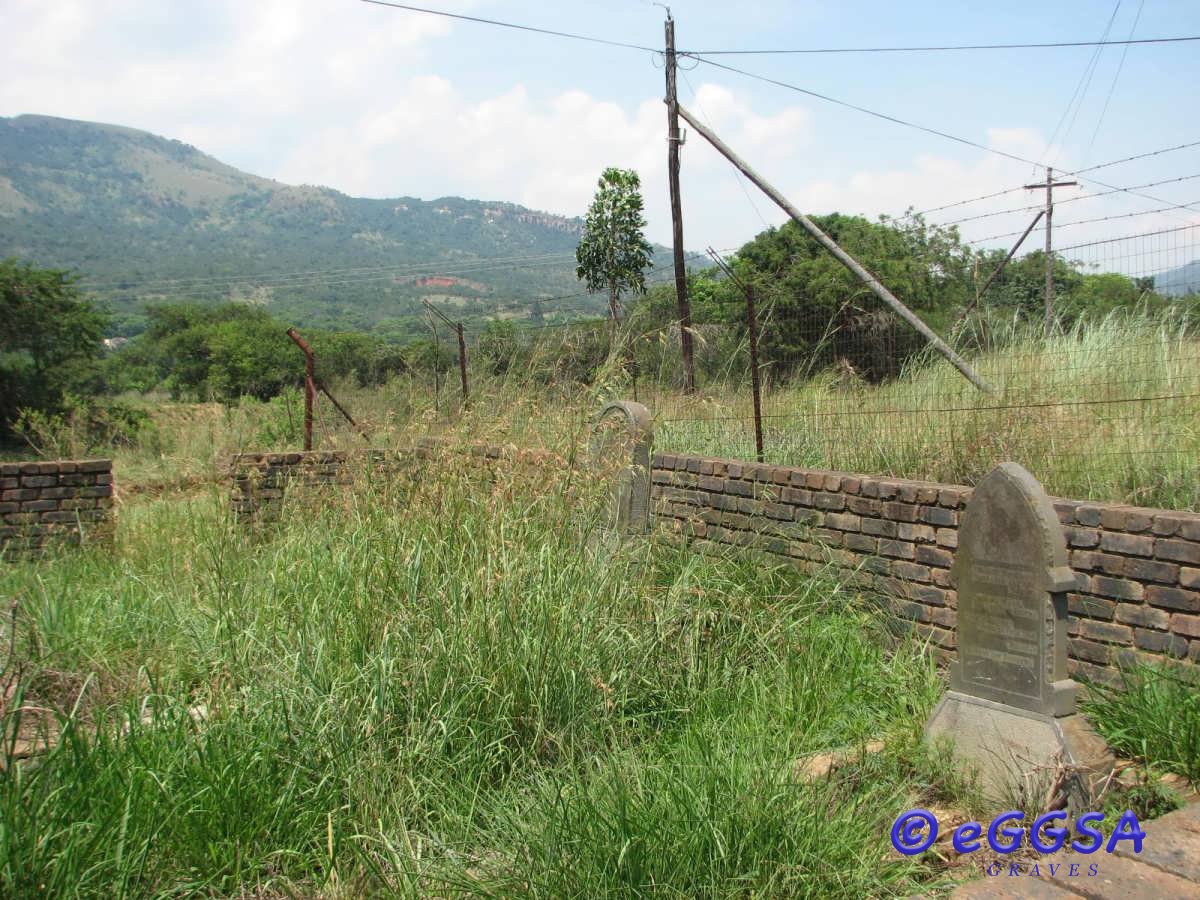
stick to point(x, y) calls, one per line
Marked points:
point(1106, 410)
point(448, 685)
point(1153, 715)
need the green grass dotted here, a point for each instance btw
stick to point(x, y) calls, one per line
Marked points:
point(449, 686)
point(1153, 715)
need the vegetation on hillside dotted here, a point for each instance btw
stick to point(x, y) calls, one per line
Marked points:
point(150, 220)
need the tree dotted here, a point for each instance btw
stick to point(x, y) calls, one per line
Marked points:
point(613, 253)
point(818, 313)
point(51, 341)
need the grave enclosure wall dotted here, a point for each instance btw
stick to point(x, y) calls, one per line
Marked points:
point(45, 502)
point(1140, 590)
point(1140, 568)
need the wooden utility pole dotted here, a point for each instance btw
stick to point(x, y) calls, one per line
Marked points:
point(839, 254)
point(1050, 184)
point(673, 142)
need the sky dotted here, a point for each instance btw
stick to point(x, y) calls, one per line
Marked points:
point(381, 102)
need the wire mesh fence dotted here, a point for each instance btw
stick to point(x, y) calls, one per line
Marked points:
point(1105, 406)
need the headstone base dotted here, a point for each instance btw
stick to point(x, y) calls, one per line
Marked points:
point(1023, 757)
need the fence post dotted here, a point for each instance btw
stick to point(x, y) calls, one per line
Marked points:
point(462, 359)
point(310, 389)
point(755, 385)
point(752, 330)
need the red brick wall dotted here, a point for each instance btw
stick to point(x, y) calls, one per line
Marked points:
point(1142, 566)
point(41, 502)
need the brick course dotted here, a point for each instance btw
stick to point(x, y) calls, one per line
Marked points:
point(47, 502)
point(1139, 597)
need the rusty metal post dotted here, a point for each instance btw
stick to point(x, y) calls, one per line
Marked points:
point(310, 389)
point(462, 359)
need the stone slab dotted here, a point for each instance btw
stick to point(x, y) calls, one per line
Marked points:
point(1017, 752)
point(1022, 887)
point(1169, 847)
point(1011, 574)
point(1118, 878)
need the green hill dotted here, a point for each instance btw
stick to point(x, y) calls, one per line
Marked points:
point(145, 219)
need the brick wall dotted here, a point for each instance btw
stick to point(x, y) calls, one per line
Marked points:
point(42, 502)
point(261, 480)
point(1141, 566)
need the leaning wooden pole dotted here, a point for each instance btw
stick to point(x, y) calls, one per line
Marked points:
point(841, 255)
point(1000, 268)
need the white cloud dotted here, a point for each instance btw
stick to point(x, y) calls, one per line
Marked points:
point(334, 93)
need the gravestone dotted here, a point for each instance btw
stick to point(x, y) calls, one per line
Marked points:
point(620, 449)
point(1010, 709)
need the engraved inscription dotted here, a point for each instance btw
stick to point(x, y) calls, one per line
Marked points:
point(999, 650)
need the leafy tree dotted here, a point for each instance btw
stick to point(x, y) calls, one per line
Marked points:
point(613, 253)
point(51, 341)
point(234, 350)
point(816, 313)
point(1022, 284)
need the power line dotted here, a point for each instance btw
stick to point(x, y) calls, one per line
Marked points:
point(1117, 162)
point(928, 49)
point(1105, 165)
point(1085, 82)
point(871, 112)
point(918, 127)
point(1133, 192)
point(1131, 215)
point(1116, 77)
point(498, 23)
point(925, 212)
point(1018, 209)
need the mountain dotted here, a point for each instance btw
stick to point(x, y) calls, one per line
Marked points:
point(1183, 280)
point(143, 218)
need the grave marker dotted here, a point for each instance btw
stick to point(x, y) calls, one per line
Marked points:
point(621, 441)
point(1011, 706)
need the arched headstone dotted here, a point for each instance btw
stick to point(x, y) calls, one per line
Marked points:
point(622, 437)
point(1011, 705)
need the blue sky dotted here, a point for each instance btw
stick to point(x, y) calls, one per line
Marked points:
point(380, 102)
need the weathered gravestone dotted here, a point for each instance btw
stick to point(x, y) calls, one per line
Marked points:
point(1010, 709)
point(620, 450)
